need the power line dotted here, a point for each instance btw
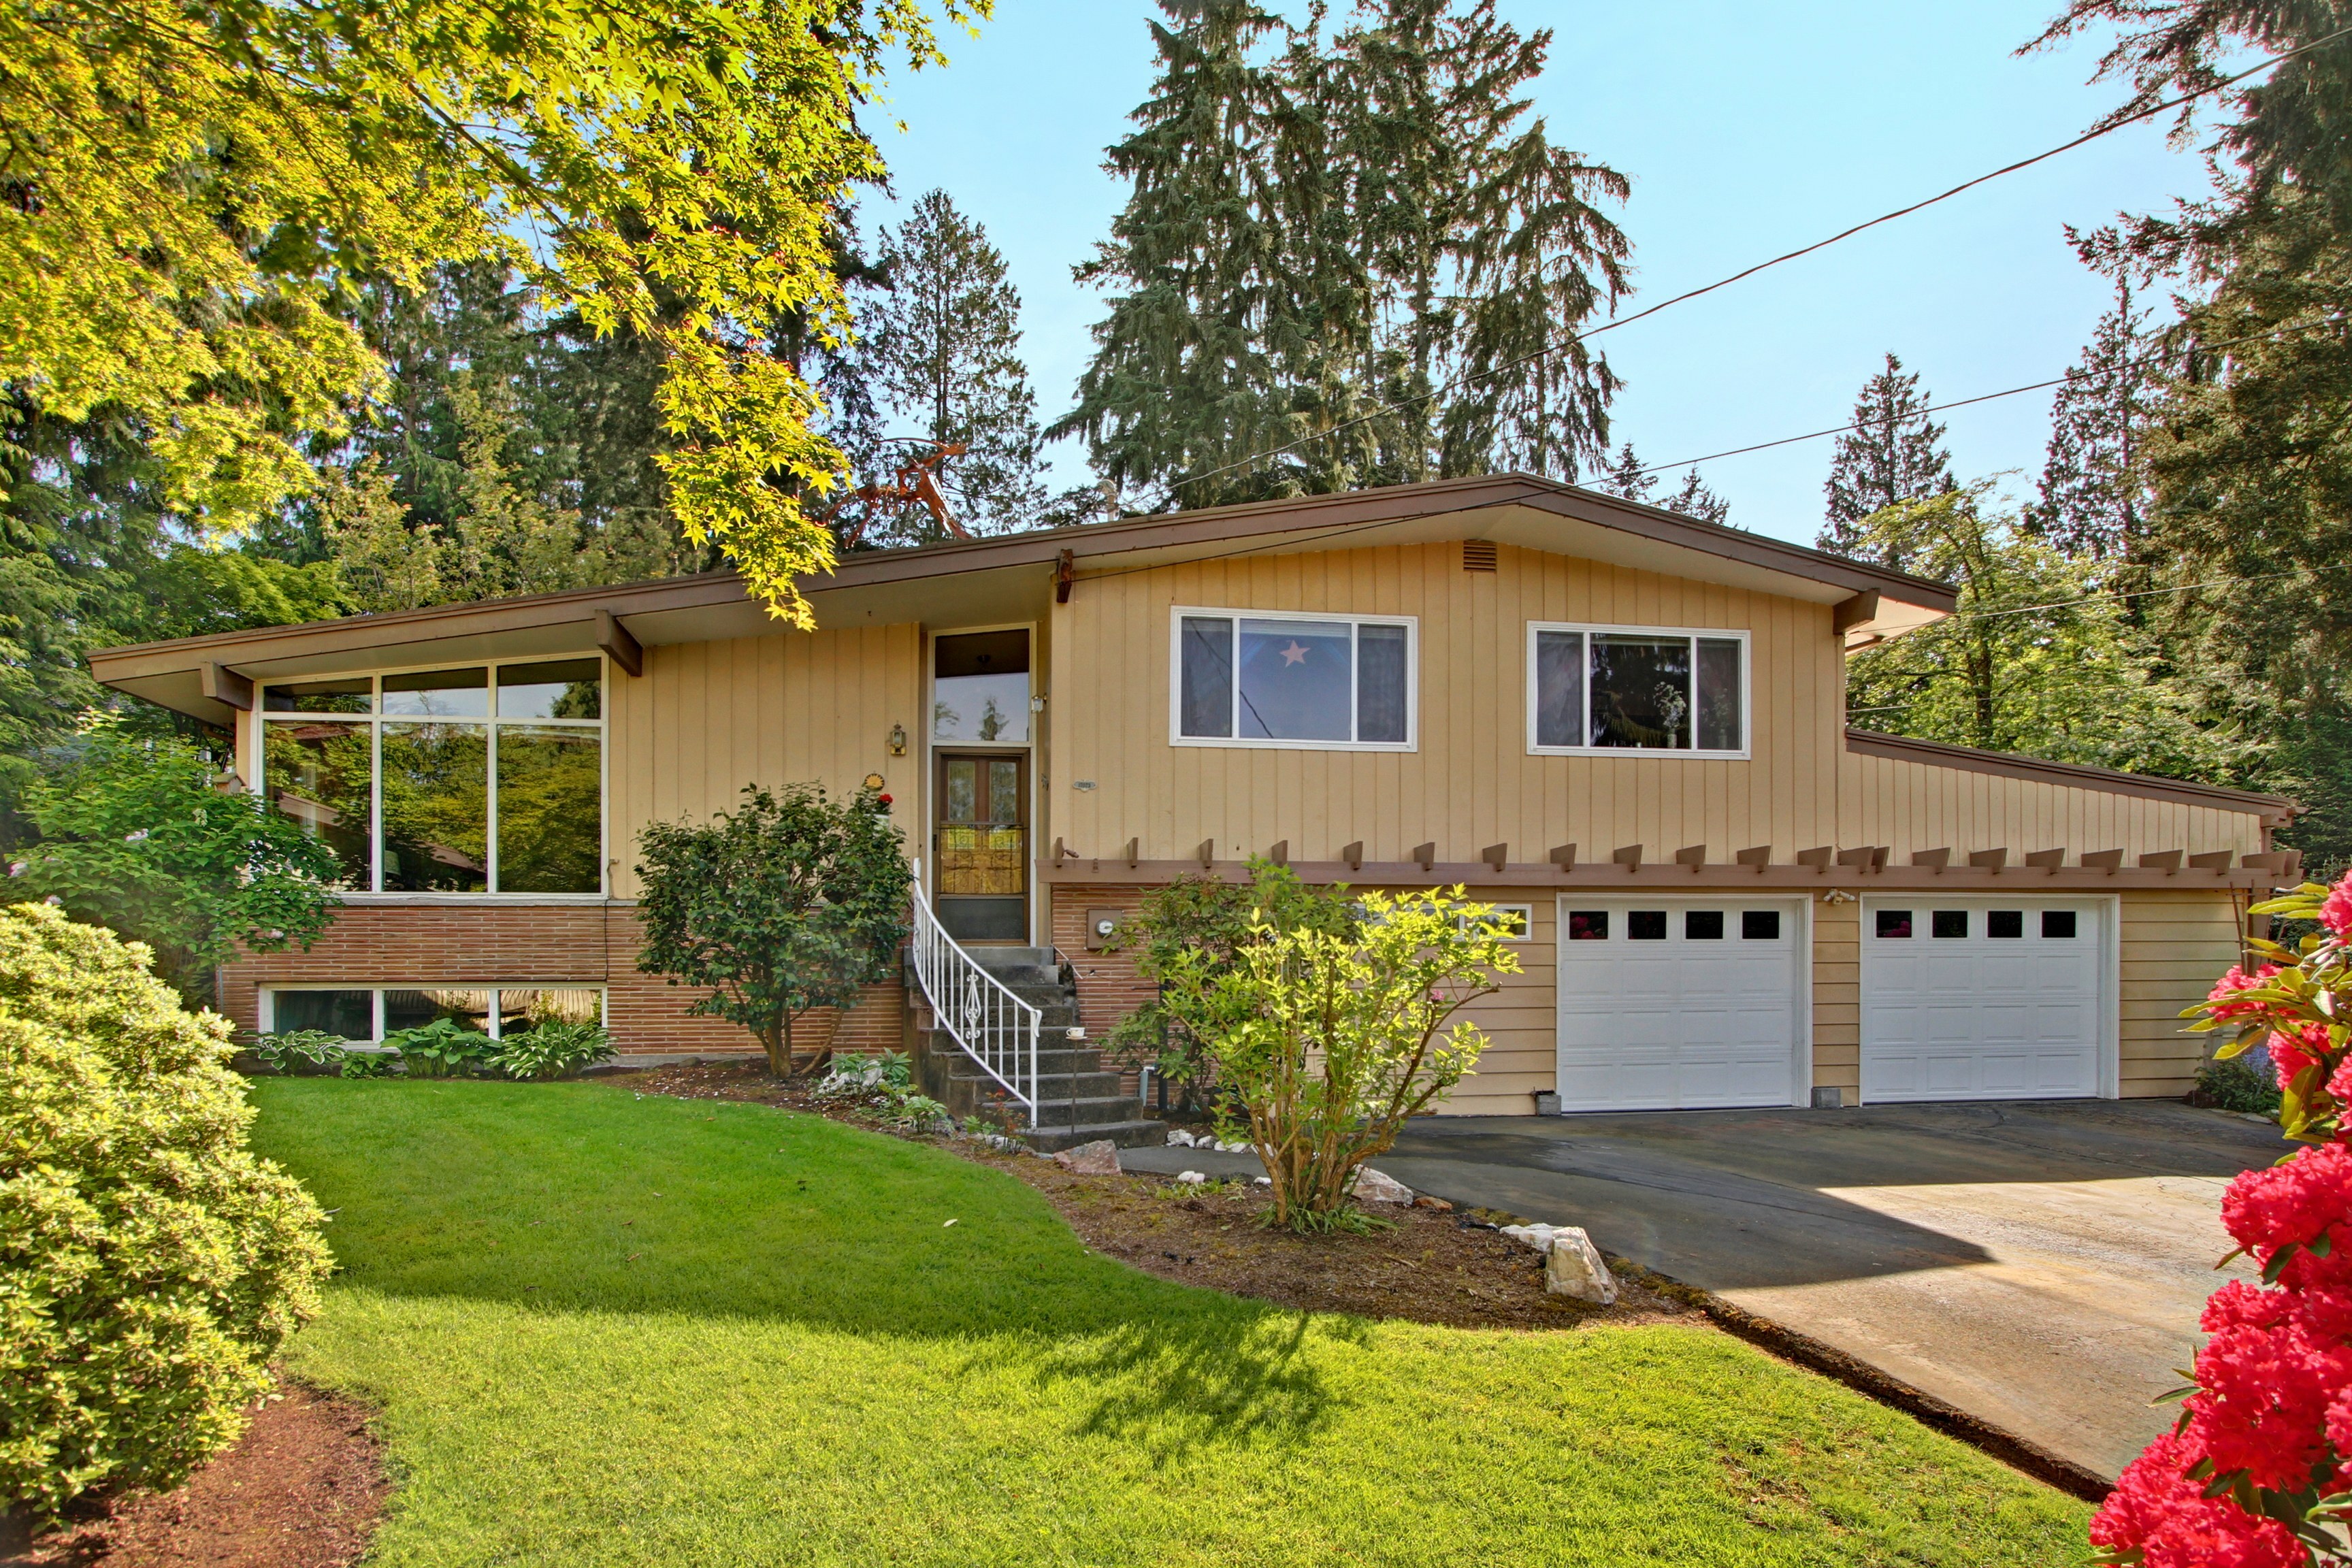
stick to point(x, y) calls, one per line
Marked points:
point(1965, 402)
point(1748, 272)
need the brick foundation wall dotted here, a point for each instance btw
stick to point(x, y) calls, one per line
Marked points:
point(1108, 986)
point(534, 944)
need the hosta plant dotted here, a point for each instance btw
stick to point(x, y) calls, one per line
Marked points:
point(555, 1048)
point(442, 1048)
point(2257, 1473)
point(300, 1050)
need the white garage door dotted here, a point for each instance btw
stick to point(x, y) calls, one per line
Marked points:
point(1982, 998)
point(1679, 1004)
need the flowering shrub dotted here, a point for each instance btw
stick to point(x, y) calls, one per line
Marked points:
point(884, 1084)
point(2258, 1472)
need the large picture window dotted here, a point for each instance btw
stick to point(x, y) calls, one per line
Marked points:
point(483, 779)
point(1606, 690)
point(1295, 680)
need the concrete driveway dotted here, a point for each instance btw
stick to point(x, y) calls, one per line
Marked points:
point(2041, 1265)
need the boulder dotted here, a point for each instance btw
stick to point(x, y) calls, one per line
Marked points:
point(1377, 1187)
point(1191, 1178)
point(1535, 1235)
point(1573, 1268)
point(1178, 1139)
point(1099, 1158)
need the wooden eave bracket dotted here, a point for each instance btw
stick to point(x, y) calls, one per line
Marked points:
point(1495, 855)
point(1759, 856)
point(2047, 859)
point(2213, 860)
point(1989, 859)
point(1208, 853)
point(1066, 572)
point(2164, 860)
point(622, 649)
point(1937, 858)
point(1280, 853)
point(1629, 857)
point(1564, 857)
point(1860, 610)
point(225, 686)
point(1354, 854)
point(1818, 857)
point(1134, 853)
point(2108, 860)
point(1425, 854)
point(1693, 856)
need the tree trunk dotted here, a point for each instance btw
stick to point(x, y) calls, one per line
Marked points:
point(776, 1038)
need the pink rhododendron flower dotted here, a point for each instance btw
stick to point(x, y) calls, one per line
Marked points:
point(2294, 1204)
point(2262, 1401)
point(2159, 1509)
point(2335, 912)
point(2230, 985)
point(2293, 1052)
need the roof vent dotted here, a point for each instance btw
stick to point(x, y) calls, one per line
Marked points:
point(1478, 556)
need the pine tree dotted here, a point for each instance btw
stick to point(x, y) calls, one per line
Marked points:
point(1890, 457)
point(1694, 500)
point(942, 356)
point(1627, 479)
point(2093, 499)
point(1361, 249)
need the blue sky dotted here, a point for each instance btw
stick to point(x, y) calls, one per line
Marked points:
point(1746, 130)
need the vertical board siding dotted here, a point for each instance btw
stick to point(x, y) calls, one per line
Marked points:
point(707, 719)
point(1470, 780)
point(2174, 946)
point(1913, 805)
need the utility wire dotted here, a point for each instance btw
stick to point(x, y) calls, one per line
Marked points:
point(1688, 294)
point(1983, 397)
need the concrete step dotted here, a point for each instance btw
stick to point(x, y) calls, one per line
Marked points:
point(1053, 1060)
point(970, 1094)
point(1134, 1134)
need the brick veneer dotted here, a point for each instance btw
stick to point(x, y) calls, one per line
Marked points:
point(533, 945)
point(1108, 986)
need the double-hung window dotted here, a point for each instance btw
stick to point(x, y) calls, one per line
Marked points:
point(1296, 681)
point(1609, 691)
point(484, 779)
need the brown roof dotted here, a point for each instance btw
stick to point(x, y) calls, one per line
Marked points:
point(1520, 509)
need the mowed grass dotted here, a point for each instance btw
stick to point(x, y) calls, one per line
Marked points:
point(606, 1330)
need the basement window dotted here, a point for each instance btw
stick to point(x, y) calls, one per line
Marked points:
point(370, 1012)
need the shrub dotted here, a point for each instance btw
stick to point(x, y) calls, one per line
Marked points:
point(2237, 1085)
point(791, 902)
point(150, 1265)
point(555, 1048)
point(1214, 918)
point(1333, 1030)
point(294, 1049)
point(2259, 1469)
point(136, 834)
point(442, 1048)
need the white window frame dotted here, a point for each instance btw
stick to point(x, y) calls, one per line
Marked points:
point(1176, 737)
point(267, 1008)
point(374, 720)
point(1747, 690)
point(1527, 913)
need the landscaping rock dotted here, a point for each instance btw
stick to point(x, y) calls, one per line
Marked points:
point(1535, 1235)
point(1378, 1187)
point(1191, 1178)
point(1573, 1268)
point(1099, 1158)
point(1178, 1139)
point(1425, 1202)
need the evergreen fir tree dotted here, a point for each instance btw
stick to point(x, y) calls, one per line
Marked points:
point(942, 356)
point(2093, 499)
point(1889, 459)
point(1359, 248)
point(1626, 478)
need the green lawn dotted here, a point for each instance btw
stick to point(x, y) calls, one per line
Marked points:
point(606, 1330)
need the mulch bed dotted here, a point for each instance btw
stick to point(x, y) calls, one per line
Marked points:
point(1427, 1265)
point(302, 1488)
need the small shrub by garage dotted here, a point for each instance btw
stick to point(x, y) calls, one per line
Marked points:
point(151, 1265)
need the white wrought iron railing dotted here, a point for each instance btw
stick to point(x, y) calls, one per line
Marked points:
point(988, 1023)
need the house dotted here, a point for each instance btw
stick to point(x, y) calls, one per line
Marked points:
point(1626, 724)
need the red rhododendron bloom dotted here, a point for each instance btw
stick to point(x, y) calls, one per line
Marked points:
point(2157, 1508)
point(2230, 985)
point(2335, 914)
point(2291, 1052)
point(2294, 1204)
point(2262, 1402)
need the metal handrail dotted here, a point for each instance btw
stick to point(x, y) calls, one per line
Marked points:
point(988, 1023)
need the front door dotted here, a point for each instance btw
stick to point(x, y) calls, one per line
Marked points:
point(981, 845)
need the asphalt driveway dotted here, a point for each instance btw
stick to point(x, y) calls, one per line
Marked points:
point(2039, 1265)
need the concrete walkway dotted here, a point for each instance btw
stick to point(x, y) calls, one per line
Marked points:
point(2039, 1265)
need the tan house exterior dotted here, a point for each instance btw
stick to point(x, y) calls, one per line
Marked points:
point(1626, 721)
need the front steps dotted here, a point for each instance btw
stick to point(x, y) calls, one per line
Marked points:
point(1080, 1099)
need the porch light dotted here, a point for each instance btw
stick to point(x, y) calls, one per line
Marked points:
point(897, 740)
